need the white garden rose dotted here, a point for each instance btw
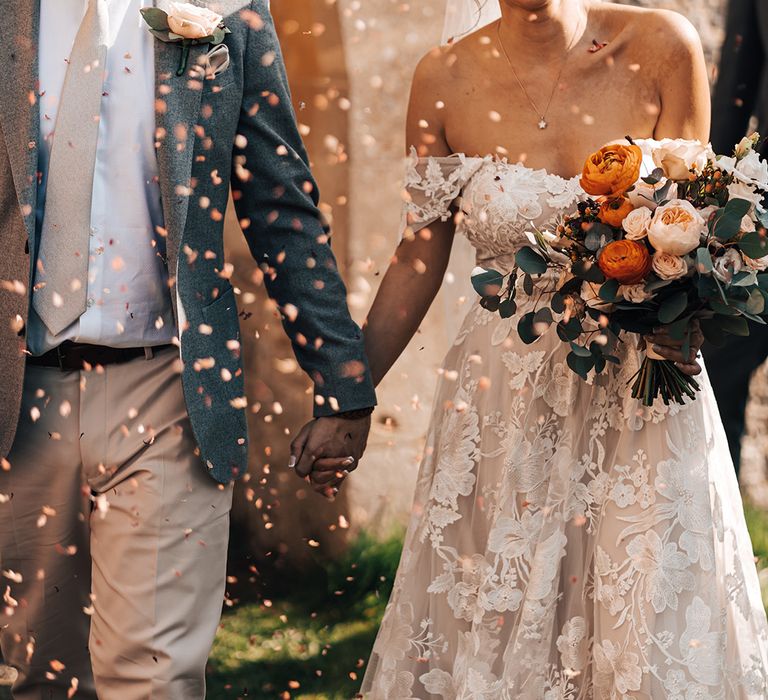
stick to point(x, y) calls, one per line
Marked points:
point(676, 228)
point(728, 264)
point(677, 157)
point(752, 169)
point(636, 223)
point(635, 293)
point(743, 190)
point(668, 266)
point(192, 22)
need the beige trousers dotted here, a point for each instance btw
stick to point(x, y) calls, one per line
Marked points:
point(113, 538)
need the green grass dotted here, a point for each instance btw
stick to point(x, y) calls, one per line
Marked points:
point(314, 644)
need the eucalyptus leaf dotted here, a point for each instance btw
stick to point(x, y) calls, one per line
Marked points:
point(733, 325)
point(655, 177)
point(491, 303)
point(557, 303)
point(754, 245)
point(528, 260)
point(745, 278)
point(672, 307)
point(657, 284)
point(662, 193)
point(525, 329)
point(580, 365)
point(569, 331)
point(704, 261)
point(507, 308)
point(487, 282)
point(609, 291)
point(589, 271)
point(726, 223)
point(580, 350)
point(598, 236)
point(755, 303)
point(543, 317)
point(528, 284)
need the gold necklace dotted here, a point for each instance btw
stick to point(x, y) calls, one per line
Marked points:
point(543, 124)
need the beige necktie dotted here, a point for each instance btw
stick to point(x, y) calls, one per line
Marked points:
point(62, 272)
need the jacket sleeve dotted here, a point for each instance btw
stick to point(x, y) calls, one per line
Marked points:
point(739, 76)
point(276, 199)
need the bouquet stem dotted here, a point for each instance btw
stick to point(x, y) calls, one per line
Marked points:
point(660, 377)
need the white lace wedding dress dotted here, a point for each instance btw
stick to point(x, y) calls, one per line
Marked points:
point(565, 543)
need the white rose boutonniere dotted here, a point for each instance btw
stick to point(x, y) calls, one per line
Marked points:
point(187, 25)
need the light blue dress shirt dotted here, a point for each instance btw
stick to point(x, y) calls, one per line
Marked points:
point(129, 302)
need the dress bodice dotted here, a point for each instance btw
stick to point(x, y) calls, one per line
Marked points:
point(498, 202)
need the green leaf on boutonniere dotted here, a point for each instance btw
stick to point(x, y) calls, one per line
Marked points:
point(218, 36)
point(156, 18)
point(162, 35)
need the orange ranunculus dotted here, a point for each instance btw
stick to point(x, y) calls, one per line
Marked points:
point(626, 261)
point(612, 170)
point(613, 211)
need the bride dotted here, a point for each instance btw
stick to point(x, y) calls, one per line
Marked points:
point(566, 542)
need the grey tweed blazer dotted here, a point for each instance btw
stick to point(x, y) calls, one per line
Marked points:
point(238, 129)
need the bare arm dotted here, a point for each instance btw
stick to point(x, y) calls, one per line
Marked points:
point(683, 85)
point(417, 268)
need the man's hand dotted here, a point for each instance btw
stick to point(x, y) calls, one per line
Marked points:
point(669, 348)
point(326, 450)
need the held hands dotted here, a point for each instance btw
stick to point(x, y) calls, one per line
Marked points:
point(671, 349)
point(326, 450)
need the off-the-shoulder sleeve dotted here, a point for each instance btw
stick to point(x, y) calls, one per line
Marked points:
point(432, 185)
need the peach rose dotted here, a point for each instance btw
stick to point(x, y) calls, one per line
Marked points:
point(636, 224)
point(613, 211)
point(192, 22)
point(612, 170)
point(668, 266)
point(635, 293)
point(676, 228)
point(626, 261)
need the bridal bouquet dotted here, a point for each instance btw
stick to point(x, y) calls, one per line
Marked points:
point(670, 234)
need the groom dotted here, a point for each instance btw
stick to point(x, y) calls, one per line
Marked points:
point(123, 412)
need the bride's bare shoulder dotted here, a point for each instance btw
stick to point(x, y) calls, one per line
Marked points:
point(655, 32)
point(448, 68)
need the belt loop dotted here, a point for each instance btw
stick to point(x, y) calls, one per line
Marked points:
point(60, 357)
point(149, 353)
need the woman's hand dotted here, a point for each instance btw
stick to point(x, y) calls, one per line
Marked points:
point(671, 349)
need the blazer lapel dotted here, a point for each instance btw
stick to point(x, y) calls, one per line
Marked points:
point(19, 105)
point(177, 106)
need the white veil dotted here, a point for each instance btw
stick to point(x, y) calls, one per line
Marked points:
point(462, 17)
point(465, 16)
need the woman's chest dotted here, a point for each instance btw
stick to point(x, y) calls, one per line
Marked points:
point(585, 110)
